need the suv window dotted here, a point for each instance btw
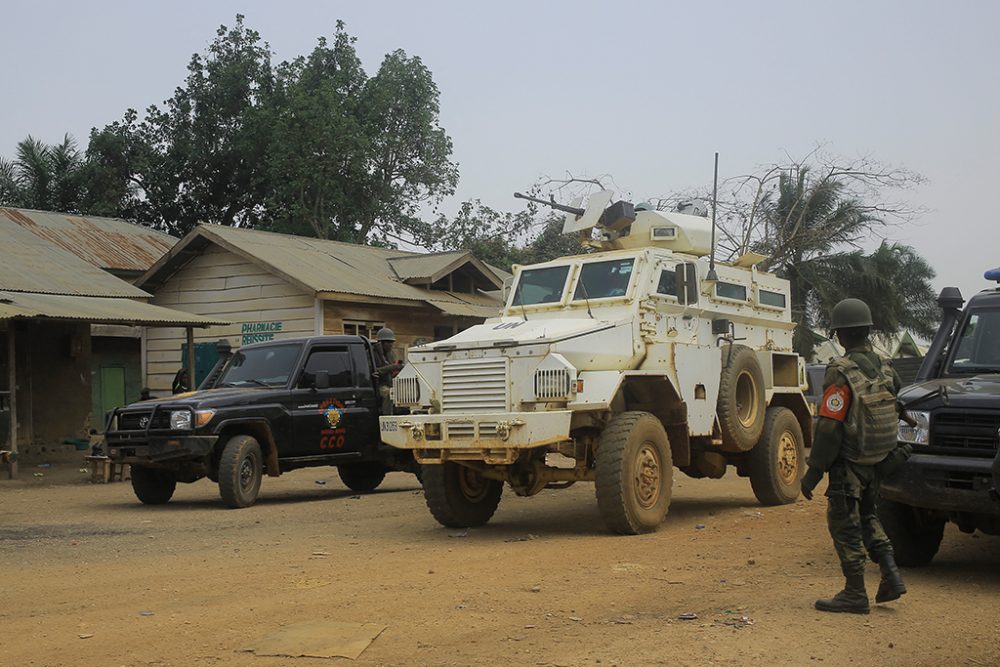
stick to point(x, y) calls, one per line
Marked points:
point(264, 366)
point(977, 350)
point(335, 361)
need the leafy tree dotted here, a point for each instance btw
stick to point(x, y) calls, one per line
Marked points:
point(44, 177)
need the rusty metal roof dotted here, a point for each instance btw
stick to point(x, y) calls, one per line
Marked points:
point(30, 263)
point(99, 310)
point(108, 243)
point(326, 267)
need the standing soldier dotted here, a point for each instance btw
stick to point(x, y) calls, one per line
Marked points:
point(385, 365)
point(855, 443)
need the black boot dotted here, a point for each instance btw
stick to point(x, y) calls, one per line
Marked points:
point(853, 599)
point(891, 586)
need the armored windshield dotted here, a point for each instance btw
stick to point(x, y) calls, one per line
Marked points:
point(540, 286)
point(600, 280)
point(977, 349)
point(267, 366)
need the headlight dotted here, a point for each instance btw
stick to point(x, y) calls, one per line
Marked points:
point(919, 434)
point(180, 420)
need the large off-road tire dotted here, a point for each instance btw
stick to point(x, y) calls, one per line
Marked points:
point(915, 535)
point(458, 496)
point(362, 477)
point(152, 486)
point(741, 403)
point(634, 473)
point(778, 460)
point(241, 468)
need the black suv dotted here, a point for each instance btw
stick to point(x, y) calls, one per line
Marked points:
point(272, 407)
point(955, 405)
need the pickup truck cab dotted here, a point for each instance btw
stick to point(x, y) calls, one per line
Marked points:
point(272, 408)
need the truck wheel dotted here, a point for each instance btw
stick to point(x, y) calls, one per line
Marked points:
point(914, 534)
point(634, 473)
point(741, 399)
point(361, 477)
point(777, 462)
point(152, 486)
point(240, 471)
point(459, 496)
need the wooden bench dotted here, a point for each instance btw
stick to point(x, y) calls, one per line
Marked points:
point(104, 470)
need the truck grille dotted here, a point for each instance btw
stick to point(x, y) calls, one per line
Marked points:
point(967, 432)
point(552, 383)
point(407, 391)
point(139, 420)
point(474, 385)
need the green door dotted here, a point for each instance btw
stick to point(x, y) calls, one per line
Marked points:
point(112, 388)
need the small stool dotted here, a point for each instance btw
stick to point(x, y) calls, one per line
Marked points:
point(104, 470)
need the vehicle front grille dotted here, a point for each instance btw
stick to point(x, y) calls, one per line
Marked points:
point(467, 430)
point(474, 385)
point(138, 421)
point(969, 432)
point(407, 391)
point(552, 383)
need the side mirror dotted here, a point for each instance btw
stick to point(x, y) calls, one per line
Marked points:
point(687, 283)
point(321, 380)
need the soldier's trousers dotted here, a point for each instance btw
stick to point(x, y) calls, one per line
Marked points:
point(851, 515)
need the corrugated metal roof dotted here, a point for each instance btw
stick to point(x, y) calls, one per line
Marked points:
point(467, 309)
point(108, 243)
point(101, 310)
point(30, 263)
point(424, 267)
point(315, 264)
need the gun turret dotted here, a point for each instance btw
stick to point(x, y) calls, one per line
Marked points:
point(552, 203)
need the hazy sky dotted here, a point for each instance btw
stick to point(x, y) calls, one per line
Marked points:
point(644, 91)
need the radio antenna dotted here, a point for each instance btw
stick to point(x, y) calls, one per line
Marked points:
point(712, 275)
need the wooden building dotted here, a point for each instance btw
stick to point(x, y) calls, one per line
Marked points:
point(273, 286)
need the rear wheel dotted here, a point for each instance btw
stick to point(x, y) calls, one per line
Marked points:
point(152, 486)
point(362, 477)
point(634, 473)
point(240, 471)
point(778, 460)
point(915, 534)
point(459, 496)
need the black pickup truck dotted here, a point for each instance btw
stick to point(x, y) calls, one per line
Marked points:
point(273, 407)
point(954, 407)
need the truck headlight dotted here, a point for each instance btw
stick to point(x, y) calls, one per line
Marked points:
point(180, 420)
point(554, 379)
point(919, 434)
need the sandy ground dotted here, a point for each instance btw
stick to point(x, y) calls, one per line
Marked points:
point(91, 577)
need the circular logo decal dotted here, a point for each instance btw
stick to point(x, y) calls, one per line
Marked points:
point(333, 414)
point(835, 403)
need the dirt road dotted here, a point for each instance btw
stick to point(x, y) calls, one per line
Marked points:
point(191, 583)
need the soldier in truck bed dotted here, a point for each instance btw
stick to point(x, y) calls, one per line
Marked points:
point(386, 365)
point(855, 442)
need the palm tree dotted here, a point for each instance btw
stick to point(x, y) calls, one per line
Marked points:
point(43, 177)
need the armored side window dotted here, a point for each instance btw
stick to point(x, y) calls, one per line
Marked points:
point(732, 291)
point(668, 282)
point(601, 280)
point(540, 286)
point(770, 299)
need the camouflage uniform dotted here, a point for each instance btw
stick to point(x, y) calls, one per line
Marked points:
point(852, 492)
point(385, 364)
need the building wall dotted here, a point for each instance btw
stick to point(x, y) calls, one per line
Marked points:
point(217, 283)
point(411, 325)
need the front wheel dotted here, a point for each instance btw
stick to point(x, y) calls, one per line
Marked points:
point(915, 534)
point(240, 471)
point(459, 496)
point(778, 459)
point(634, 473)
point(361, 477)
point(152, 486)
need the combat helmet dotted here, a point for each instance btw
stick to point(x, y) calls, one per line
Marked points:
point(385, 333)
point(850, 313)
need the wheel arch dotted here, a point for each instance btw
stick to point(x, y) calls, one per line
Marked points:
point(260, 430)
point(656, 395)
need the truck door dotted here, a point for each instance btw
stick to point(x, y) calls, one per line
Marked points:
point(333, 421)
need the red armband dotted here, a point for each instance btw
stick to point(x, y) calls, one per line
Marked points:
point(836, 401)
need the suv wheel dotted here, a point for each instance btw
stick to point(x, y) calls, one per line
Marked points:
point(741, 399)
point(240, 471)
point(634, 473)
point(459, 496)
point(152, 486)
point(777, 462)
point(361, 477)
point(915, 535)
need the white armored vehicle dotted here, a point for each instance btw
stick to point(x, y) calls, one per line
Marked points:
point(613, 366)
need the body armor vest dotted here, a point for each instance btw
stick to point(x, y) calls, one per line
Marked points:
point(873, 419)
